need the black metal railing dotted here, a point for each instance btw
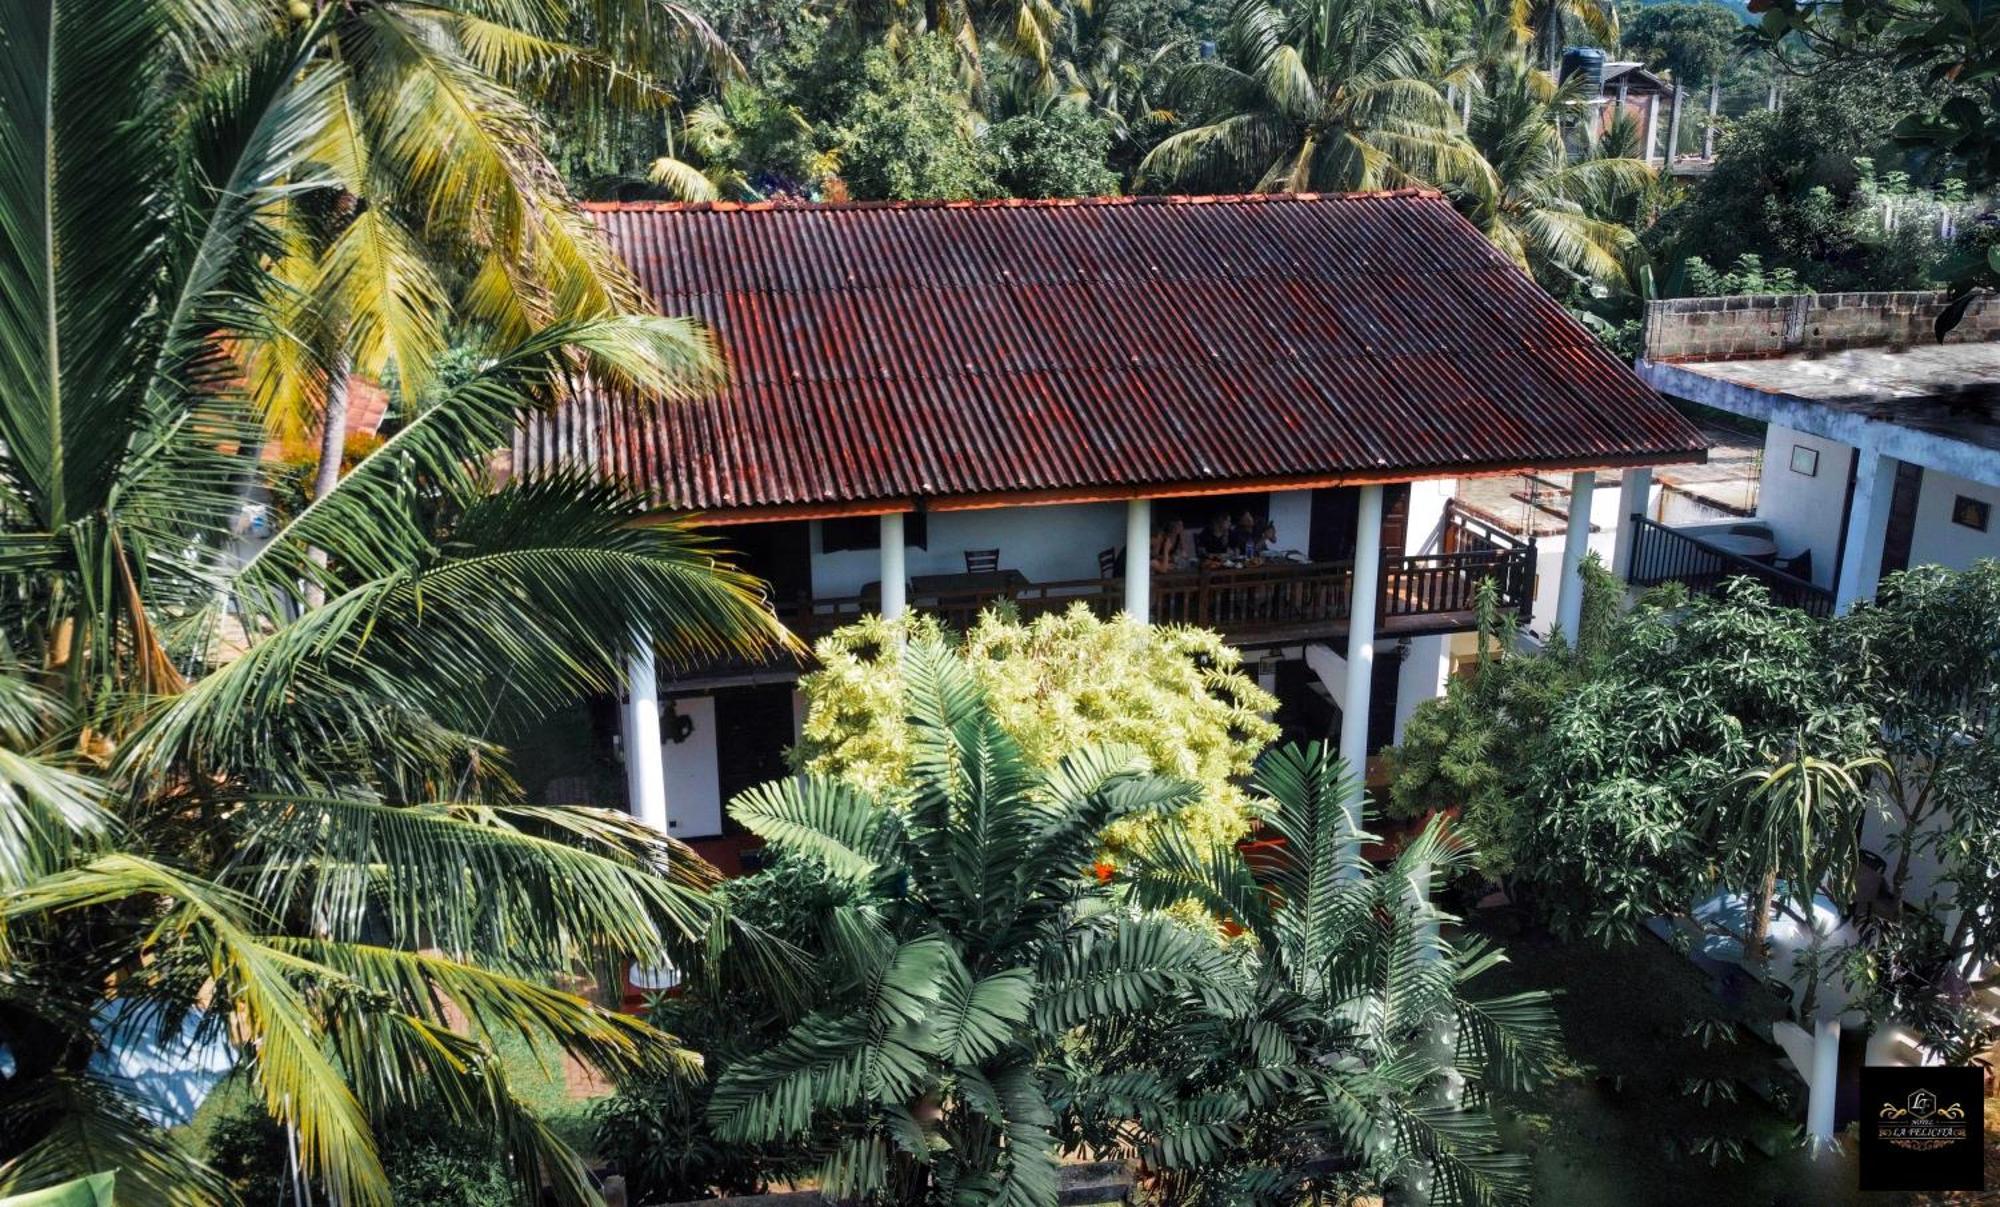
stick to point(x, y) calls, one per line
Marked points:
point(1666, 555)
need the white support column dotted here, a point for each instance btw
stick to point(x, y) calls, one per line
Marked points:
point(1576, 540)
point(1139, 560)
point(1635, 493)
point(1652, 126)
point(1674, 128)
point(1708, 127)
point(894, 578)
point(1867, 522)
point(645, 764)
point(1824, 1081)
point(1423, 675)
point(1361, 640)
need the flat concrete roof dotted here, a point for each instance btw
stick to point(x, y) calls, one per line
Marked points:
point(1936, 405)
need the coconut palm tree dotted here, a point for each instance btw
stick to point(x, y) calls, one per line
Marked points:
point(979, 948)
point(1554, 212)
point(426, 182)
point(289, 832)
point(1549, 25)
point(1326, 95)
point(1364, 1060)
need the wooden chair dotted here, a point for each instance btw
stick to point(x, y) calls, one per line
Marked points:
point(982, 561)
point(1107, 562)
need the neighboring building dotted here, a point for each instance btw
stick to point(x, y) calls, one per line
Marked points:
point(1648, 101)
point(1882, 445)
point(917, 385)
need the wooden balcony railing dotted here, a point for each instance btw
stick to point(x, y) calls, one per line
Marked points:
point(1661, 555)
point(1281, 601)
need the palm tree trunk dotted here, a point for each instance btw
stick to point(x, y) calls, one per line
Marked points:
point(1760, 921)
point(332, 447)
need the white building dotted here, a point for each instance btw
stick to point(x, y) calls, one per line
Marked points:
point(1881, 452)
point(1882, 445)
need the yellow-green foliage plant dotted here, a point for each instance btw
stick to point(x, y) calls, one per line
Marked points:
point(1059, 683)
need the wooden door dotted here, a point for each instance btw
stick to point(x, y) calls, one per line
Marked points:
point(1902, 518)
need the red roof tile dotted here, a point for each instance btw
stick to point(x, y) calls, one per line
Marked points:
point(885, 352)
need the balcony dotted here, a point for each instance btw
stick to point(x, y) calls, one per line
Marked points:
point(1662, 555)
point(1273, 603)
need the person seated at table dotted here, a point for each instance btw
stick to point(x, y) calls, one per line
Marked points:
point(1243, 537)
point(1218, 539)
point(1267, 540)
point(1173, 547)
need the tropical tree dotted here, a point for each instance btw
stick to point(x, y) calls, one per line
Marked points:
point(1058, 684)
point(1553, 212)
point(1472, 750)
point(1327, 95)
point(288, 831)
point(424, 180)
point(744, 145)
point(1926, 656)
point(1641, 803)
point(979, 946)
point(1363, 1062)
point(1789, 825)
point(1550, 25)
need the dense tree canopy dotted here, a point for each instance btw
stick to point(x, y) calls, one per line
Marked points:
point(1694, 41)
point(1734, 746)
point(1057, 684)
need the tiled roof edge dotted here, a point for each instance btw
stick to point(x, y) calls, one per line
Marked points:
point(728, 207)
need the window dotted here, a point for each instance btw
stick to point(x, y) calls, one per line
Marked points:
point(842, 534)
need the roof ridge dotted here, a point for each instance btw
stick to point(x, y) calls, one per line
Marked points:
point(726, 207)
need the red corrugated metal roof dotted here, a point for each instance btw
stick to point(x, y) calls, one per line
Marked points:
point(958, 351)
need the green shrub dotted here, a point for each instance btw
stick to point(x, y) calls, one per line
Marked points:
point(428, 1165)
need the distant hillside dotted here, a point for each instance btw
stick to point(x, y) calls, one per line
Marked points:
point(1740, 7)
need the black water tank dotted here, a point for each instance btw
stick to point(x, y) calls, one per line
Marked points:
point(1588, 60)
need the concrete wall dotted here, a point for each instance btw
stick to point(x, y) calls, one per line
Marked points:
point(1427, 500)
point(1775, 324)
point(1805, 512)
point(1291, 511)
point(1937, 539)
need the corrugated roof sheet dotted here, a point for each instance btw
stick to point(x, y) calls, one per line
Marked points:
point(932, 350)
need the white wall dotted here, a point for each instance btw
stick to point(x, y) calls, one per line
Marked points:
point(1291, 511)
point(1427, 500)
point(1048, 544)
point(1805, 512)
point(1938, 540)
point(694, 793)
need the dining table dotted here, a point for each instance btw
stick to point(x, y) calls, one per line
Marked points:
point(969, 582)
point(933, 586)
